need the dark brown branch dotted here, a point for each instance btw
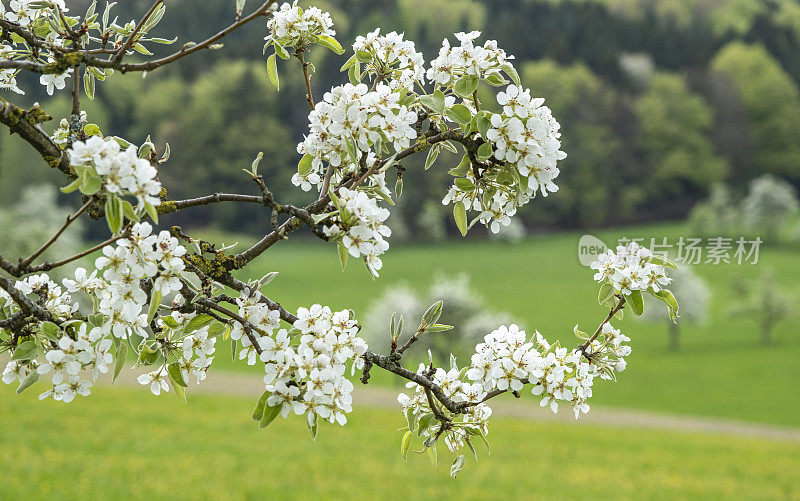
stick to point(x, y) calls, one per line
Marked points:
point(67, 59)
point(26, 124)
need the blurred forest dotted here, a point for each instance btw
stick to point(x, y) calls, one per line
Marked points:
point(658, 101)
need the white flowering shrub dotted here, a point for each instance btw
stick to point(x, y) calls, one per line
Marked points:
point(167, 299)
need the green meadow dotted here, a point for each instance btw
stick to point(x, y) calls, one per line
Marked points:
point(127, 444)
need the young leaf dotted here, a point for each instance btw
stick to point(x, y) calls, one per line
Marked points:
point(176, 375)
point(29, 380)
point(304, 166)
point(635, 300)
point(198, 322)
point(25, 351)
point(122, 353)
point(272, 71)
point(466, 85)
point(261, 406)
point(270, 413)
point(343, 254)
point(155, 302)
point(405, 443)
point(432, 154)
point(330, 43)
point(460, 215)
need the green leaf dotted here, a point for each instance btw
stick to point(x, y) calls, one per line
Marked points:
point(483, 124)
point(466, 85)
point(74, 185)
point(304, 166)
point(425, 422)
point(50, 331)
point(122, 354)
point(432, 314)
point(350, 62)
point(175, 373)
point(155, 302)
point(198, 322)
point(270, 413)
point(668, 298)
point(313, 427)
point(91, 130)
point(661, 260)
point(363, 56)
point(272, 71)
point(128, 212)
point(484, 152)
point(433, 455)
point(457, 466)
point(465, 184)
point(605, 293)
point(28, 381)
point(438, 328)
point(114, 211)
point(635, 300)
point(434, 101)
point(509, 70)
point(460, 114)
point(261, 406)
point(343, 254)
point(496, 80)
point(330, 43)
point(151, 211)
point(25, 351)
point(405, 444)
point(462, 168)
point(179, 391)
point(281, 52)
point(89, 84)
point(91, 182)
point(460, 215)
point(433, 153)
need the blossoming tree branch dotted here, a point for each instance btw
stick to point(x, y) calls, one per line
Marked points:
point(164, 299)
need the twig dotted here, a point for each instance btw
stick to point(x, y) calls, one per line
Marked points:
point(24, 264)
point(131, 38)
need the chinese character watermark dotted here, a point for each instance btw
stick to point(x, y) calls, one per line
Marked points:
point(684, 250)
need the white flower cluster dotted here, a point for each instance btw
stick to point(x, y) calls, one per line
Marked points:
point(258, 314)
point(347, 123)
point(291, 26)
point(26, 15)
point(630, 269)
point(310, 377)
point(66, 360)
point(55, 300)
point(22, 13)
point(140, 256)
point(8, 78)
point(475, 419)
point(394, 59)
point(526, 137)
point(507, 360)
point(361, 228)
point(467, 59)
point(608, 352)
point(122, 171)
point(198, 349)
point(195, 360)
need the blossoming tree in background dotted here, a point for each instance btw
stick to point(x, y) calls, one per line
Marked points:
point(168, 298)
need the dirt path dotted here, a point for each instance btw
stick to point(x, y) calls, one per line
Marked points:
point(229, 383)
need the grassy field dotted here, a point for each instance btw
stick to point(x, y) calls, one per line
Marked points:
point(720, 371)
point(126, 443)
